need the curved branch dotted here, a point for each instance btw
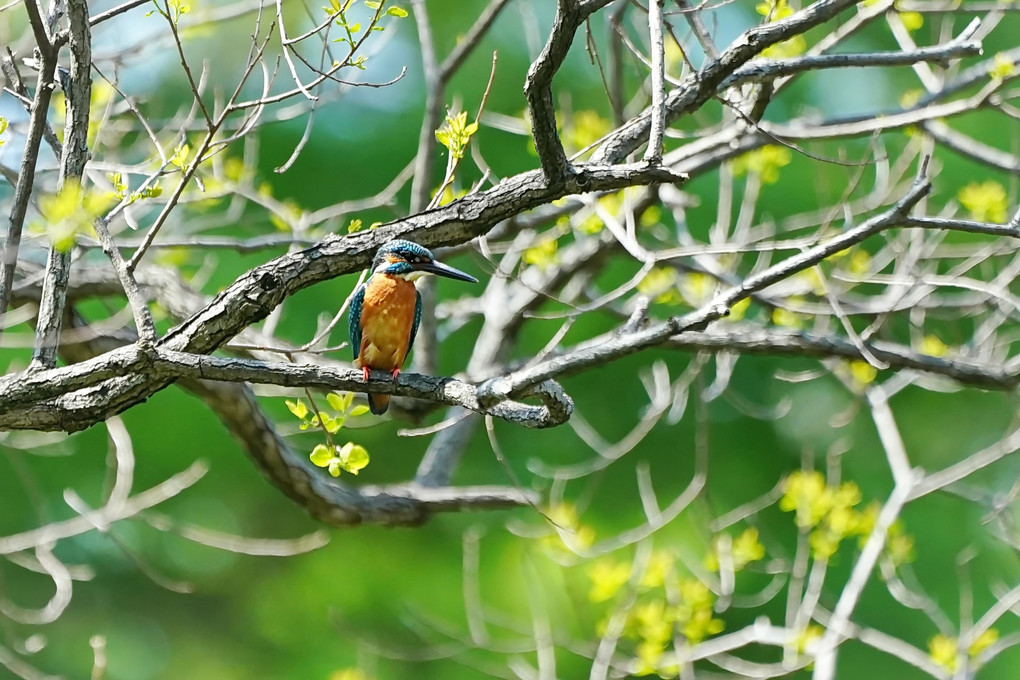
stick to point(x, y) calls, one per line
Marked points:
point(80, 395)
point(324, 498)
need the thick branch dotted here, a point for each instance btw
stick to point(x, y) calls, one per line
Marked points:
point(538, 86)
point(253, 295)
point(324, 498)
point(74, 156)
point(26, 174)
point(85, 400)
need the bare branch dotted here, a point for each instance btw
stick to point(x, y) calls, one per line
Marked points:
point(75, 153)
point(697, 88)
point(29, 160)
point(57, 531)
point(653, 152)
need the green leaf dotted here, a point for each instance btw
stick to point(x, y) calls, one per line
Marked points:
point(336, 401)
point(71, 211)
point(372, 4)
point(116, 179)
point(180, 157)
point(398, 12)
point(341, 401)
point(334, 467)
point(1002, 67)
point(321, 455)
point(298, 408)
point(455, 133)
point(444, 137)
point(359, 410)
point(353, 457)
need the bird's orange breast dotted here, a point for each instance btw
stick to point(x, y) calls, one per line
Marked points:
point(387, 315)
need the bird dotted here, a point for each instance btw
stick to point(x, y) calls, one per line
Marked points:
point(386, 309)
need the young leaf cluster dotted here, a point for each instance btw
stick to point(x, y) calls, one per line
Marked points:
point(171, 9)
point(349, 457)
point(69, 212)
point(339, 9)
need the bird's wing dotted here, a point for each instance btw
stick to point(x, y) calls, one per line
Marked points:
point(417, 319)
point(353, 317)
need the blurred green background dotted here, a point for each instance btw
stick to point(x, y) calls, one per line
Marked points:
point(391, 601)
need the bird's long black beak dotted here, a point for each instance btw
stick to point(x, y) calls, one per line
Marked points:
point(444, 270)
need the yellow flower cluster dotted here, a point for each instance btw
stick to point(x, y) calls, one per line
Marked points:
point(613, 204)
point(585, 128)
point(1002, 67)
point(777, 10)
point(986, 202)
point(70, 212)
point(831, 514)
point(668, 605)
point(660, 285)
point(933, 346)
point(696, 289)
point(743, 550)
point(764, 162)
point(567, 521)
point(544, 254)
point(944, 649)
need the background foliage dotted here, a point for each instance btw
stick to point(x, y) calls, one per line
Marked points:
point(394, 602)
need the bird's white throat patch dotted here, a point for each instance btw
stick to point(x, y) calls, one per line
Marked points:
point(410, 276)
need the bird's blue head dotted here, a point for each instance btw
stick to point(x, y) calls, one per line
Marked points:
point(410, 261)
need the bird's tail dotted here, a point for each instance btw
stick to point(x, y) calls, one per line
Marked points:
point(378, 403)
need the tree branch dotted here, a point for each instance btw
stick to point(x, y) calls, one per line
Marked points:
point(608, 347)
point(698, 88)
point(538, 86)
point(74, 156)
point(26, 174)
point(85, 405)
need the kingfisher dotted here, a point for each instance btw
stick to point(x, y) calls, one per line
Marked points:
point(386, 309)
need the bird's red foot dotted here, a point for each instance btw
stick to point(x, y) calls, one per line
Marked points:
point(396, 372)
point(365, 370)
